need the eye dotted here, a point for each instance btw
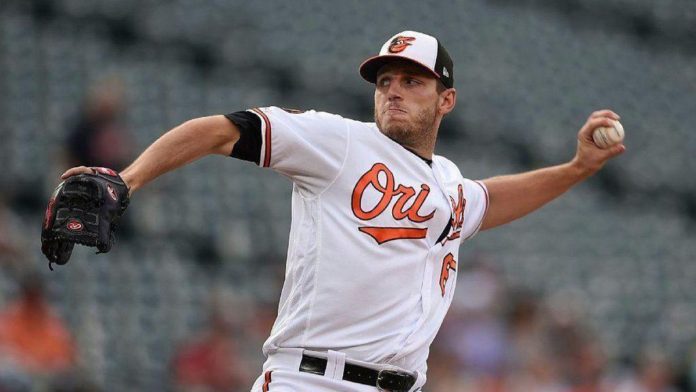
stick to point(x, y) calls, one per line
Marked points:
point(383, 82)
point(412, 81)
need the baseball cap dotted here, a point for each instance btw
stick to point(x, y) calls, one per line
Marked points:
point(419, 48)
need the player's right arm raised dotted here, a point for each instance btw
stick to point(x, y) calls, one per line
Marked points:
point(186, 143)
point(514, 196)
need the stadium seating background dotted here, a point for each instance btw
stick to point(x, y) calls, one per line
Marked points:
point(528, 73)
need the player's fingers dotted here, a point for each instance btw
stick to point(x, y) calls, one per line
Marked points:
point(617, 150)
point(605, 113)
point(592, 124)
point(75, 171)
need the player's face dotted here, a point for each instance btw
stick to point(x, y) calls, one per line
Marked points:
point(408, 106)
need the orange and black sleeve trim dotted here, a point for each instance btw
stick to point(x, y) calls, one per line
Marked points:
point(248, 147)
point(266, 137)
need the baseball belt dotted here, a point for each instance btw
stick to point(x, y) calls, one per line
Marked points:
point(384, 380)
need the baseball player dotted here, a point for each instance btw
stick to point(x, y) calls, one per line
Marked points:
point(377, 218)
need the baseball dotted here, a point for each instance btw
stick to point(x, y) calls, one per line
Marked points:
point(605, 137)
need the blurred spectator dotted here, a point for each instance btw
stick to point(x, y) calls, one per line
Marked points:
point(445, 373)
point(540, 344)
point(33, 339)
point(691, 369)
point(10, 239)
point(531, 366)
point(211, 362)
point(576, 348)
point(470, 351)
point(99, 138)
point(654, 373)
point(474, 334)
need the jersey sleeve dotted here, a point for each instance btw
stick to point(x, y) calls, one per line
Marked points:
point(475, 208)
point(308, 147)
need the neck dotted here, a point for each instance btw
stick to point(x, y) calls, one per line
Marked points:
point(425, 153)
point(425, 147)
point(421, 150)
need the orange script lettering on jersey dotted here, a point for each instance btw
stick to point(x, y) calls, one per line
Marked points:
point(448, 263)
point(457, 215)
point(390, 190)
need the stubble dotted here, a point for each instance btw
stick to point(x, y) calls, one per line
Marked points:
point(417, 134)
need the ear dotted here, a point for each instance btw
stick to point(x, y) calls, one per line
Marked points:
point(447, 100)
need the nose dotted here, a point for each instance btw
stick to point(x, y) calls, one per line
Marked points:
point(394, 91)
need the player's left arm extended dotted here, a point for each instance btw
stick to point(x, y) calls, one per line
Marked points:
point(514, 196)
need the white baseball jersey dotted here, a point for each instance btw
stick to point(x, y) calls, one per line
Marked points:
point(374, 241)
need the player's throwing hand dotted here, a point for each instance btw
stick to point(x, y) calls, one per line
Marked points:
point(589, 156)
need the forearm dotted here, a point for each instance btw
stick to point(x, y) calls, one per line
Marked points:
point(186, 143)
point(514, 196)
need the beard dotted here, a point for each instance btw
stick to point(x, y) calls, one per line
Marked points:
point(413, 134)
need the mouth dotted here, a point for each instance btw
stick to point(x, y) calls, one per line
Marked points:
point(393, 109)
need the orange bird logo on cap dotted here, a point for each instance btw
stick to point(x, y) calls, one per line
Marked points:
point(398, 44)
